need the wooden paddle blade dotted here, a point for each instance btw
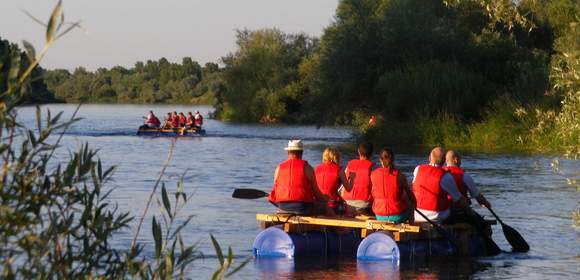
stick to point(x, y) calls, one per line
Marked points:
point(248, 193)
point(515, 239)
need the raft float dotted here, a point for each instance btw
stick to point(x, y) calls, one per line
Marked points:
point(292, 236)
point(170, 132)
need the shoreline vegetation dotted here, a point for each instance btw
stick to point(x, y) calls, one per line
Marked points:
point(479, 75)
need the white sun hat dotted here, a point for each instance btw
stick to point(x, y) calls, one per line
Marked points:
point(294, 145)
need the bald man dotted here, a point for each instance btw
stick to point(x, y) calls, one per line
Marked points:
point(432, 185)
point(464, 182)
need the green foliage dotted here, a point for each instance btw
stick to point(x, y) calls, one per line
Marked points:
point(10, 54)
point(56, 218)
point(261, 79)
point(149, 82)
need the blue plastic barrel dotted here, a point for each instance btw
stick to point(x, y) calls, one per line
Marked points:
point(378, 246)
point(274, 242)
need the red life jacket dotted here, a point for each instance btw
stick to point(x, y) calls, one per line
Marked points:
point(327, 178)
point(457, 173)
point(199, 121)
point(361, 188)
point(189, 120)
point(292, 183)
point(428, 192)
point(387, 195)
point(174, 121)
point(154, 121)
point(181, 120)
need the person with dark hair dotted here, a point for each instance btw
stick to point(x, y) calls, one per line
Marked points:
point(358, 171)
point(151, 121)
point(392, 198)
point(295, 190)
point(431, 187)
point(181, 119)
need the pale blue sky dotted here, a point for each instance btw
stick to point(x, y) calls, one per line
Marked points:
point(121, 32)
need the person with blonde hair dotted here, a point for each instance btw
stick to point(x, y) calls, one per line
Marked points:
point(392, 198)
point(330, 177)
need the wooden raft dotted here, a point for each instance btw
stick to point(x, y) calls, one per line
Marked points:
point(366, 225)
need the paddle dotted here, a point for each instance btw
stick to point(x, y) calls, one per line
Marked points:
point(249, 193)
point(514, 238)
point(442, 231)
point(479, 223)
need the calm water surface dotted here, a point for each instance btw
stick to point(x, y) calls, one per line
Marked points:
point(523, 189)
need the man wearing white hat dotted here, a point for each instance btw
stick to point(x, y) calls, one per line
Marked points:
point(295, 189)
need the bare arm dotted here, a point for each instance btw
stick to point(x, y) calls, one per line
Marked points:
point(310, 174)
point(342, 178)
point(276, 174)
point(404, 185)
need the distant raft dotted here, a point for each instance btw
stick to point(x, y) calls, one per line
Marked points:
point(171, 132)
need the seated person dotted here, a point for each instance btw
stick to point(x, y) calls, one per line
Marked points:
point(198, 119)
point(358, 171)
point(392, 200)
point(189, 121)
point(329, 176)
point(168, 122)
point(181, 119)
point(431, 187)
point(295, 190)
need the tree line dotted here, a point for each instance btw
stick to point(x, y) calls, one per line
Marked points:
point(475, 73)
point(482, 73)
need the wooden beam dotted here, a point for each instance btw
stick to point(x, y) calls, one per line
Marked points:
point(336, 222)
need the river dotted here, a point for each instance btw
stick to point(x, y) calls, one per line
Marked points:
point(523, 189)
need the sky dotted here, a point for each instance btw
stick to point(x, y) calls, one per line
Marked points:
point(122, 32)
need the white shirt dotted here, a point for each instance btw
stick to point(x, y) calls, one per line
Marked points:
point(447, 183)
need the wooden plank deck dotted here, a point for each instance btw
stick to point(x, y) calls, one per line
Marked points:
point(337, 222)
point(366, 225)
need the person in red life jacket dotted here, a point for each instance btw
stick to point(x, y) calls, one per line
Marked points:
point(330, 177)
point(357, 198)
point(167, 123)
point(181, 119)
point(295, 190)
point(392, 198)
point(372, 121)
point(151, 121)
point(174, 120)
point(431, 185)
point(468, 189)
point(198, 119)
point(189, 123)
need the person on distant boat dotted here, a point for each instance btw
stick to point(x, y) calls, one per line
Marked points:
point(174, 120)
point(181, 119)
point(329, 176)
point(466, 185)
point(151, 121)
point(295, 189)
point(392, 198)
point(358, 171)
point(431, 185)
point(198, 119)
point(167, 123)
point(189, 121)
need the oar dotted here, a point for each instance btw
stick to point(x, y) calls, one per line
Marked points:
point(249, 193)
point(514, 238)
point(442, 231)
point(478, 222)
